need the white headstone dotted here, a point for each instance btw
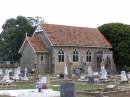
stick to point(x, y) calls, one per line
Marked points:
point(43, 80)
point(19, 70)
point(25, 75)
point(90, 71)
point(65, 70)
point(6, 75)
point(103, 75)
point(16, 74)
point(123, 76)
point(6, 78)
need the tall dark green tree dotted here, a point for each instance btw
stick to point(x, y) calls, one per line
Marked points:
point(12, 37)
point(118, 35)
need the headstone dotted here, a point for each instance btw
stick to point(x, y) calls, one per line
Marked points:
point(65, 70)
point(123, 76)
point(90, 74)
point(6, 75)
point(19, 70)
point(96, 77)
point(77, 71)
point(6, 79)
point(16, 74)
point(103, 75)
point(43, 80)
point(67, 89)
point(25, 77)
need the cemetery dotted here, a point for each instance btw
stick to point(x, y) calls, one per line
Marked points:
point(53, 68)
point(92, 84)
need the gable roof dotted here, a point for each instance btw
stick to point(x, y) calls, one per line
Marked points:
point(36, 43)
point(61, 35)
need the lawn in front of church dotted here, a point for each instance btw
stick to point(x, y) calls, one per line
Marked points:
point(31, 85)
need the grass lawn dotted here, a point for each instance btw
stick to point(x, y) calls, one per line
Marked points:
point(80, 86)
point(30, 85)
point(19, 85)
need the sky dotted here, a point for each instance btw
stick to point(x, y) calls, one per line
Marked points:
point(88, 13)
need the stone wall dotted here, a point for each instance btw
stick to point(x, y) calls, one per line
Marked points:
point(59, 66)
point(28, 57)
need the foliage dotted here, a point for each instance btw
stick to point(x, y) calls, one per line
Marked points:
point(12, 37)
point(118, 35)
point(35, 20)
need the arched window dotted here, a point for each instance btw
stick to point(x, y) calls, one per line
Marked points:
point(75, 55)
point(88, 56)
point(61, 56)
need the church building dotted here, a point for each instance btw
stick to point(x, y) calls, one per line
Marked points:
point(52, 46)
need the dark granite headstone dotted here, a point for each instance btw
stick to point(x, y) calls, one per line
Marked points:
point(67, 89)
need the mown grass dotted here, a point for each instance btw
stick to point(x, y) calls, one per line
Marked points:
point(19, 85)
point(79, 86)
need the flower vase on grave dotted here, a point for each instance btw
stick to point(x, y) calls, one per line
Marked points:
point(39, 86)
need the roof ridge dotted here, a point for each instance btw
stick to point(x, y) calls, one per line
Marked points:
point(75, 26)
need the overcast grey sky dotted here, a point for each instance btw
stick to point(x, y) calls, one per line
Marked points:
point(90, 13)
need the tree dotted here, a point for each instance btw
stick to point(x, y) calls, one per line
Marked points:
point(118, 35)
point(35, 20)
point(12, 37)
